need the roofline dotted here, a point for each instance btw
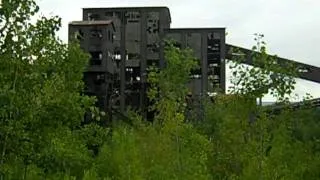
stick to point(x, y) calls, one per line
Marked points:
point(93, 23)
point(97, 22)
point(195, 29)
point(133, 7)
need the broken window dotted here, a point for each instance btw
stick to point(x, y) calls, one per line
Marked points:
point(132, 74)
point(213, 65)
point(215, 48)
point(133, 56)
point(96, 58)
point(153, 28)
point(96, 33)
point(195, 76)
point(116, 54)
point(79, 35)
point(213, 58)
point(89, 16)
point(153, 24)
point(214, 78)
point(153, 48)
point(99, 79)
point(109, 35)
point(210, 36)
point(113, 37)
point(214, 68)
point(92, 17)
point(133, 17)
point(152, 62)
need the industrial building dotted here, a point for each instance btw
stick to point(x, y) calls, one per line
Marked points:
point(208, 45)
point(123, 42)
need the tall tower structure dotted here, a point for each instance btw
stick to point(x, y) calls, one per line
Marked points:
point(136, 45)
point(208, 45)
point(123, 42)
point(96, 38)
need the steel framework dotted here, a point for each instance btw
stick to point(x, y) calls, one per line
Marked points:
point(123, 42)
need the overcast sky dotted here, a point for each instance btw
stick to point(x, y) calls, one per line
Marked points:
point(291, 27)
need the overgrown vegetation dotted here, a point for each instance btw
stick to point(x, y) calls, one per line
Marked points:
point(42, 108)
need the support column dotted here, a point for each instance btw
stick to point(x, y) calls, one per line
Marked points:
point(204, 63)
point(123, 62)
point(223, 61)
point(143, 62)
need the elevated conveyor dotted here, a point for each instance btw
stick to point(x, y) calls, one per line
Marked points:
point(306, 71)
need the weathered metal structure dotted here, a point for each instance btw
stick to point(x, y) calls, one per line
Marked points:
point(96, 39)
point(208, 45)
point(135, 46)
point(306, 71)
point(123, 42)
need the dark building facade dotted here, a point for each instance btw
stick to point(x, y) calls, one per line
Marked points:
point(136, 44)
point(96, 38)
point(123, 42)
point(208, 45)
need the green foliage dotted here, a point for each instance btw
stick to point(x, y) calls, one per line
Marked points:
point(249, 143)
point(41, 101)
point(42, 108)
point(168, 86)
point(150, 153)
point(269, 75)
point(167, 148)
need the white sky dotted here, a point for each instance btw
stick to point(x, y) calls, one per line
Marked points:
point(291, 27)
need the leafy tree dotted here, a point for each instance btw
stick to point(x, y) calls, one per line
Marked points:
point(42, 107)
point(268, 75)
point(167, 148)
point(40, 95)
point(168, 86)
point(249, 142)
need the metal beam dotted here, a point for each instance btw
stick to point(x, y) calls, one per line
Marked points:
point(307, 72)
point(143, 62)
point(123, 63)
point(204, 63)
point(310, 104)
